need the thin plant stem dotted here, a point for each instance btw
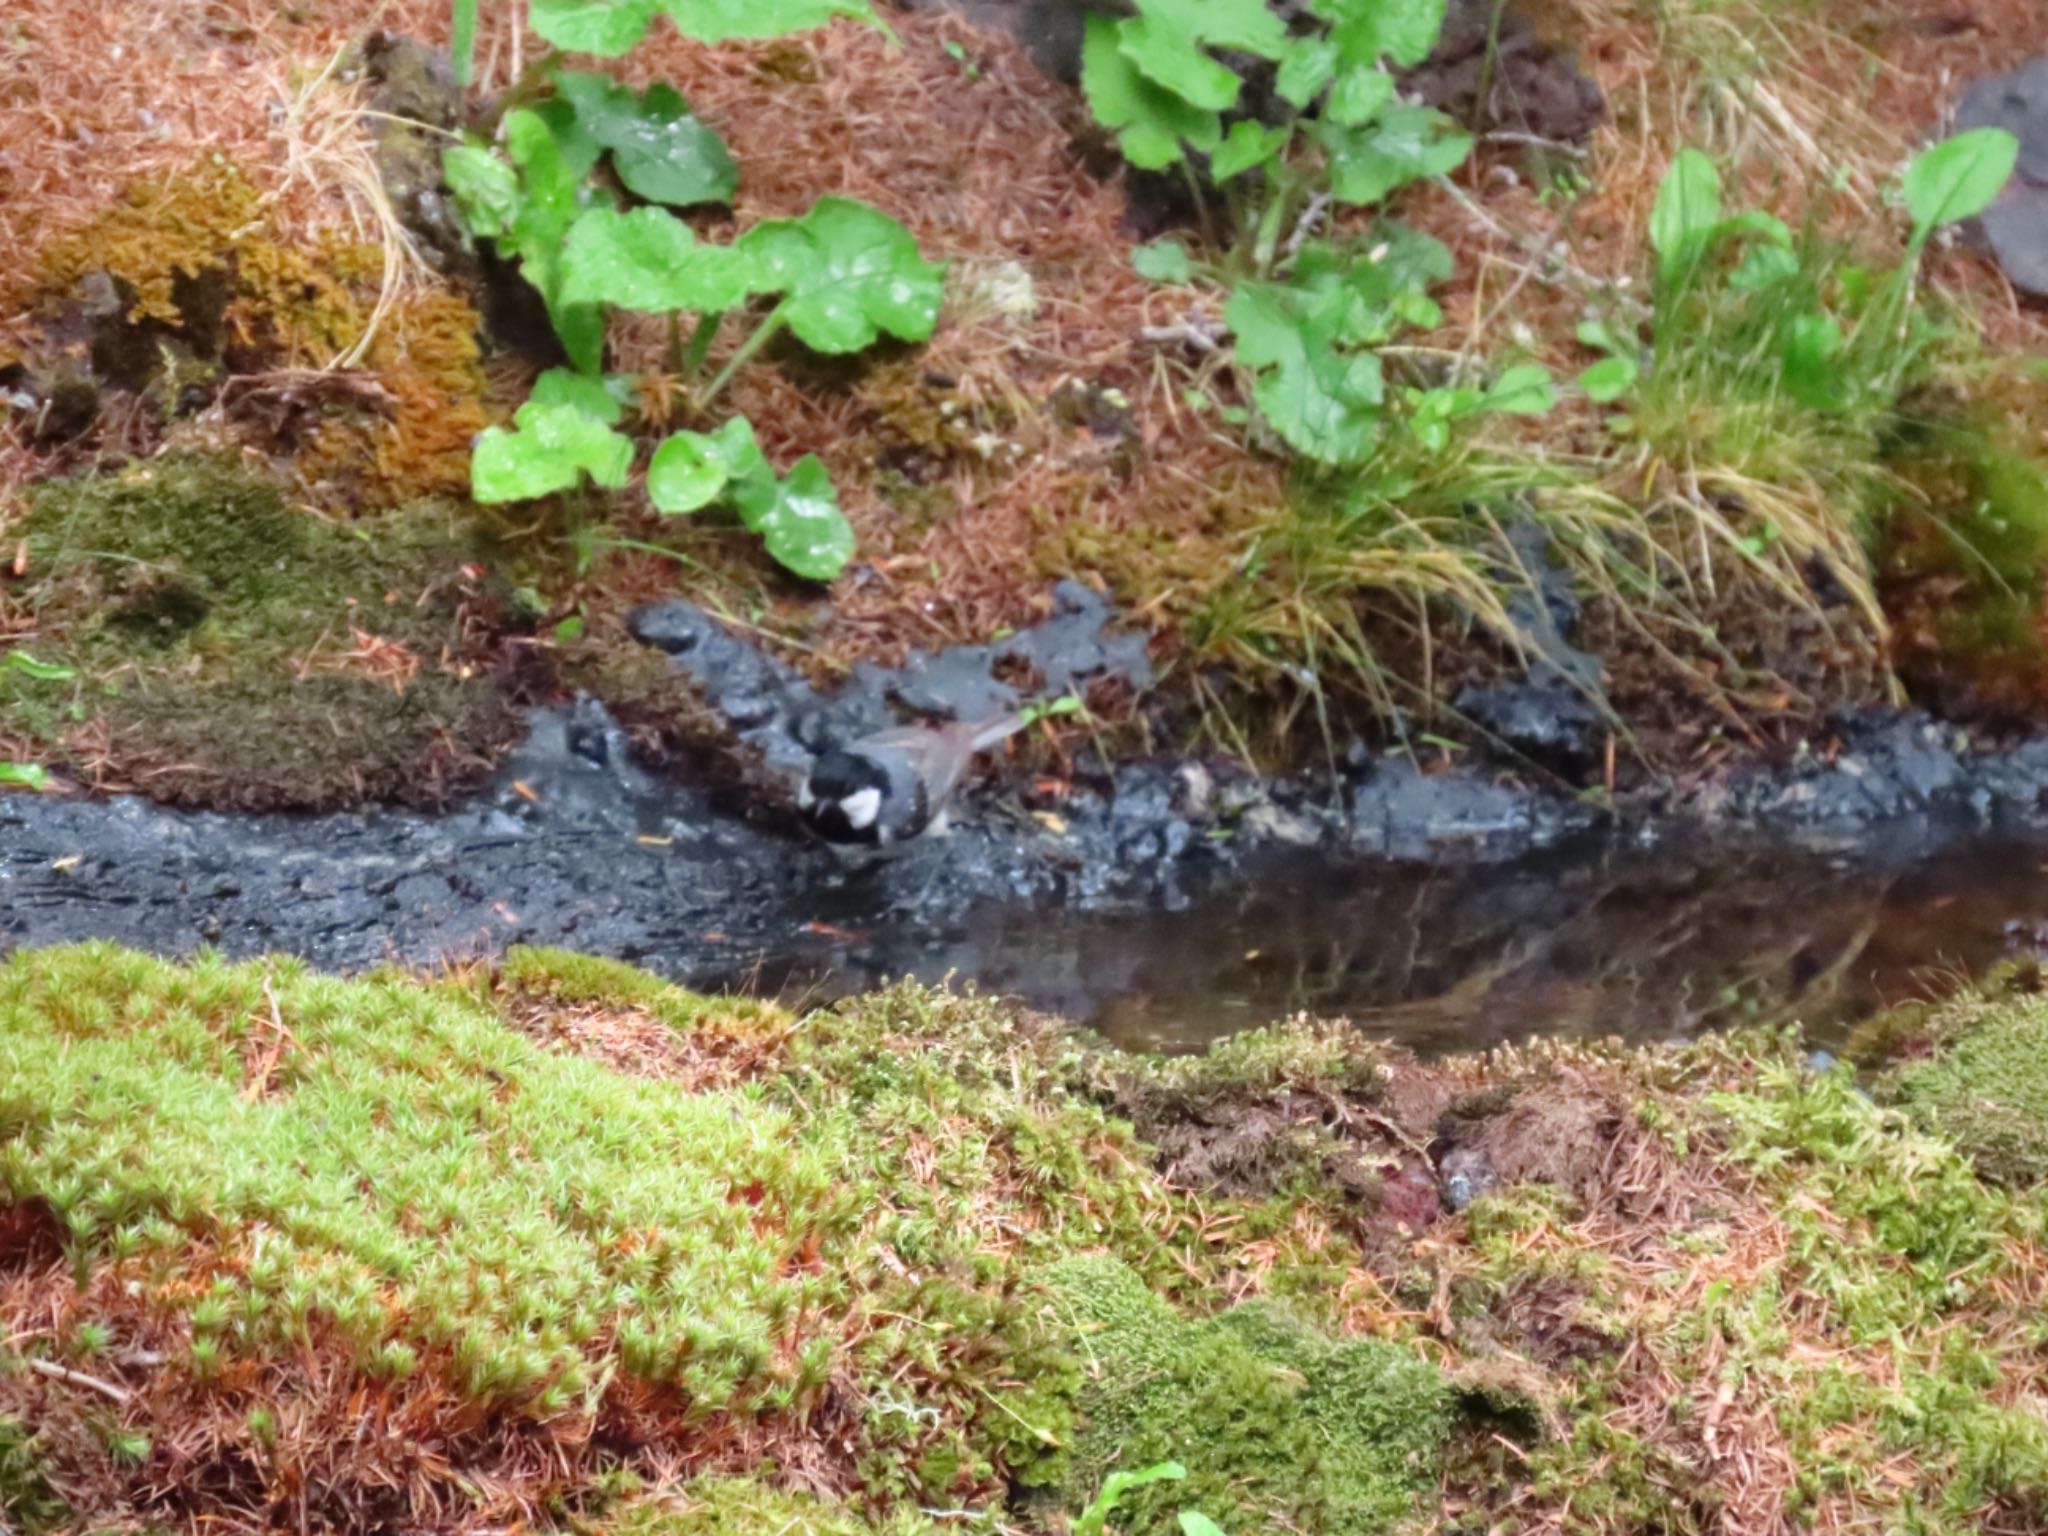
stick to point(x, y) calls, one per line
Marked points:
point(463, 42)
point(701, 337)
point(769, 329)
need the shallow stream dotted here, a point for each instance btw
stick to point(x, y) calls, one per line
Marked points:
point(1119, 913)
point(1592, 939)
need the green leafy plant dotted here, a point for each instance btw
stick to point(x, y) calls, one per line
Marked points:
point(1708, 257)
point(1309, 317)
point(1773, 367)
point(578, 188)
point(24, 775)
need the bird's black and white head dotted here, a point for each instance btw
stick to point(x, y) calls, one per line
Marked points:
point(863, 799)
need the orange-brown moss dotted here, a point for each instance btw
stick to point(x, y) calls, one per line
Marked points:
point(197, 254)
point(425, 355)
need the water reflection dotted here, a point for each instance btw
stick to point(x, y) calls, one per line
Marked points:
point(1648, 944)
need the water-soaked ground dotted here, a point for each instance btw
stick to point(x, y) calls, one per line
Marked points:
point(1161, 906)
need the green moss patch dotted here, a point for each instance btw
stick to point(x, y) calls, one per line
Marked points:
point(902, 1255)
point(26, 1501)
point(737, 1506)
point(1987, 1088)
point(400, 1175)
point(223, 647)
point(1271, 1417)
point(283, 1195)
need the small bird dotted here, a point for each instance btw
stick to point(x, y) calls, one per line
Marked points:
point(888, 789)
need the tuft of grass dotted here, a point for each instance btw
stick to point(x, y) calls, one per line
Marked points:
point(1353, 598)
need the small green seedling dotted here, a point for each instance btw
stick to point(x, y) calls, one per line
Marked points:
point(39, 671)
point(24, 775)
point(1093, 1520)
point(1053, 709)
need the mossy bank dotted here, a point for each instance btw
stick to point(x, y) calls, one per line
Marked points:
point(558, 1243)
point(182, 629)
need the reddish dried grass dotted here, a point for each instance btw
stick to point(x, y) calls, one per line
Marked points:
point(344, 1451)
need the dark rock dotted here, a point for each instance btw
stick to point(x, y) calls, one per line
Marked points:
point(1492, 72)
point(65, 398)
point(1555, 715)
point(417, 104)
point(1050, 29)
point(1545, 718)
point(2016, 226)
point(2017, 102)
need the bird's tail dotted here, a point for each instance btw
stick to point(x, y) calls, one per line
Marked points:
point(987, 733)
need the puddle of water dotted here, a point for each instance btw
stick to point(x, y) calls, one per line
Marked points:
point(1648, 945)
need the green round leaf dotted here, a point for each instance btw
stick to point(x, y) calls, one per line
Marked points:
point(1167, 43)
point(1367, 31)
point(1306, 67)
point(848, 272)
point(1164, 261)
point(602, 398)
point(1323, 400)
point(1404, 143)
point(687, 472)
point(799, 519)
point(717, 21)
point(1960, 177)
point(552, 447)
point(649, 260)
point(1249, 144)
point(486, 189)
point(1523, 390)
point(580, 150)
point(1173, 60)
point(1762, 266)
point(604, 27)
point(1151, 123)
point(1359, 95)
point(1609, 379)
point(661, 152)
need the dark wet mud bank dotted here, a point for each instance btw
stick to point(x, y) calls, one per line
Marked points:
point(1166, 905)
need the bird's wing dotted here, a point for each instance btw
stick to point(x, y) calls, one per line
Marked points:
point(940, 754)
